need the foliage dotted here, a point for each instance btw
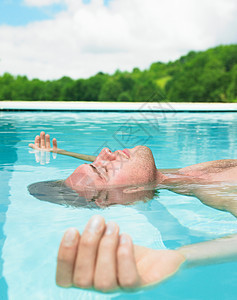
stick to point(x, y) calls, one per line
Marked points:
point(124, 96)
point(205, 76)
point(196, 77)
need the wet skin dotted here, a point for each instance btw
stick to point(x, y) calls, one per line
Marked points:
point(86, 260)
point(113, 169)
point(135, 168)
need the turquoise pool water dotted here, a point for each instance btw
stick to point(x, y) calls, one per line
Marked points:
point(30, 230)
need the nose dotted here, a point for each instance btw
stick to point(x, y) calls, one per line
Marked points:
point(105, 155)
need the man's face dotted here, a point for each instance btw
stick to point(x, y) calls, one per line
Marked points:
point(134, 166)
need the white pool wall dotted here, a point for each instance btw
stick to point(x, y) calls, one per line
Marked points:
point(117, 106)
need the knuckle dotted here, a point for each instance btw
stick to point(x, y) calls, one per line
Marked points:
point(123, 252)
point(107, 242)
point(87, 241)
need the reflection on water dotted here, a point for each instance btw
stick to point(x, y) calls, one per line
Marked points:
point(174, 234)
point(34, 228)
point(59, 193)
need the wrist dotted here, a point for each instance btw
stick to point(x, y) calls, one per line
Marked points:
point(181, 256)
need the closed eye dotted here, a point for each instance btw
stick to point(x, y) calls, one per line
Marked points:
point(94, 169)
point(101, 174)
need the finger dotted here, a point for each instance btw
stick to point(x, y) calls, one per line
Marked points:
point(67, 257)
point(47, 138)
point(37, 141)
point(32, 146)
point(105, 278)
point(86, 258)
point(42, 140)
point(127, 271)
point(55, 146)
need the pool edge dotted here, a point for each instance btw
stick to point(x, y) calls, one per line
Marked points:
point(56, 106)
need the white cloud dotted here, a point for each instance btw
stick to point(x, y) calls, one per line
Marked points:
point(88, 38)
point(40, 3)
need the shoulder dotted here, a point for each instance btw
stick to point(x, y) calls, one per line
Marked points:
point(214, 165)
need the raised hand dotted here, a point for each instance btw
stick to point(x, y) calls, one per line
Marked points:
point(42, 142)
point(42, 148)
point(101, 259)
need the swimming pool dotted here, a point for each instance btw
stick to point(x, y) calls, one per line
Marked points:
point(30, 230)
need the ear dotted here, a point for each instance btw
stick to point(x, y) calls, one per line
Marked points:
point(133, 189)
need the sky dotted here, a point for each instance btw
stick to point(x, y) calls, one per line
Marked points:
point(49, 39)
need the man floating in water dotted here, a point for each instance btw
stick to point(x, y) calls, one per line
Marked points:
point(135, 170)
point(101, 258)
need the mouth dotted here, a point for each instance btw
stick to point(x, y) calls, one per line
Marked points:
point(126, 152)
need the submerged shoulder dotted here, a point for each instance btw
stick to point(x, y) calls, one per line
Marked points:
point(211, 166)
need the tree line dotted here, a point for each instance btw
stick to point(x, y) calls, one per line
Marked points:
point(208, 76)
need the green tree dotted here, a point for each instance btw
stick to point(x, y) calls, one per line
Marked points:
point(36, 90)
point(126, 81)
point(6, 84)
point(93, 87)
point(66, 84)
point(78, 90)
point(125, 96)
point(20, 88)
point(232, 88)
point(148, 91)
point(110, 90)
point(205, 76)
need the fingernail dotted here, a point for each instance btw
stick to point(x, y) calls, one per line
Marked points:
point(69, 237)
point(124, 239)
point(110, 228)
point(95, 224)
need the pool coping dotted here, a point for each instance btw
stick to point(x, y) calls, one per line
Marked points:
point(116, 107)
